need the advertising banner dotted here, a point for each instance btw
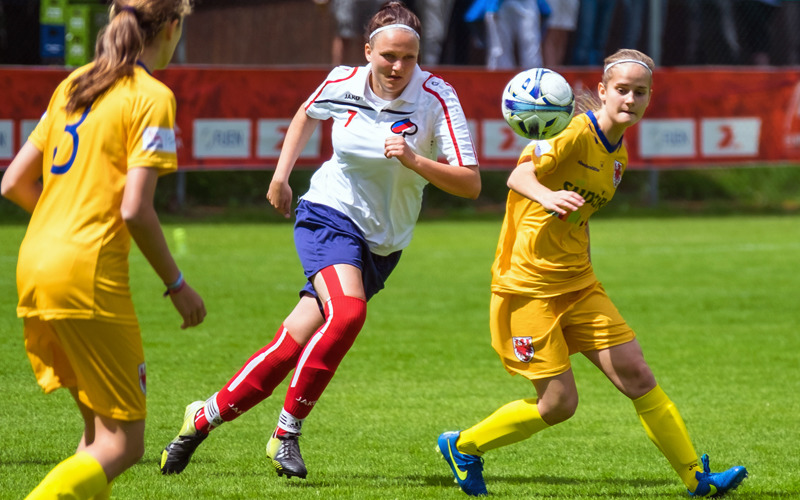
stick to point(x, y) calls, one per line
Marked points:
point(236, 118)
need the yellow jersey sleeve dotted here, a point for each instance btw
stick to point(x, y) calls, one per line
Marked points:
point(152, 131)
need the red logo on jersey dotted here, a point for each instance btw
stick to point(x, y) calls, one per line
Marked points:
point(523, 348)
point(405, 127)
point(617, 173)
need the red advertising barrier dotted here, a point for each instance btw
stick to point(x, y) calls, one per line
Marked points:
point(236, 118)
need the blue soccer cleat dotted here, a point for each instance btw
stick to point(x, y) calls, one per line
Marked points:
point(467, 469)
point(716, 484)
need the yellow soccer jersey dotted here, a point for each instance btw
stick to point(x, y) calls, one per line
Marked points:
point(540, 254)
point(73, 261)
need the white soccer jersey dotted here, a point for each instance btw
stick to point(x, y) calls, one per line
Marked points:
point(380, 195)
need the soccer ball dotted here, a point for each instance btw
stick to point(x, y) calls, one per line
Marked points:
point(538, 103)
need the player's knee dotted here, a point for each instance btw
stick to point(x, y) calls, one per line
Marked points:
point(134, 448)
point(347, 314)
point(638, 380)
point(558, 409)
point(129, 453)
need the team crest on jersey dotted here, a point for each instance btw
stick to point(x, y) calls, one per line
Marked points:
point(404, 127)
point(617, 173)
point(159, 140)
point(143, 379)
point(523, 348)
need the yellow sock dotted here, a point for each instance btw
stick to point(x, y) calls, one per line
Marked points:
point(80, 477)
point(666, 429)
point(511, 423)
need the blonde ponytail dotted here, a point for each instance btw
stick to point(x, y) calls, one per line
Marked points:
point(132, 26)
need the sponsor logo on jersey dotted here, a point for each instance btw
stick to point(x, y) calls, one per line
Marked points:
point(143, 379)
point(523, 348)
point(404, 127)
point(542, 147)
point(596, 200)
point(159, 139)
point(352, 97)
point(617, 173)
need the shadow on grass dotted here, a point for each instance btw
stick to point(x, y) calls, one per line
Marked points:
point(618, 487)
point(561, 481)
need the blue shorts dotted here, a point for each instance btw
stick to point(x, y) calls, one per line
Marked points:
point(324, 237)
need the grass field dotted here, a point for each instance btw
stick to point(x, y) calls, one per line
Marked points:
point(714, 301)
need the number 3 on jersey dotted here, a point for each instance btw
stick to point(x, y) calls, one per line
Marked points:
point(72, 130)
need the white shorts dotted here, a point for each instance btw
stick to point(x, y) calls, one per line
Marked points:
point(564, 14)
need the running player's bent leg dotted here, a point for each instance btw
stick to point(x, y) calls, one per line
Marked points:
point(344, 316)
point(625, 366)
point(510, 424)
point(265, 369)
point(321, 357)
point(519, 420)
point(318, 362)
point(256, 380)
point(341, 290)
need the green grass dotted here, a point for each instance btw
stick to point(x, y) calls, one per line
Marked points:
point(713, 301)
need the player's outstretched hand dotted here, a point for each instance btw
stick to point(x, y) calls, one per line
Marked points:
point(280, 197)
point(190, 306)
point(562, 202)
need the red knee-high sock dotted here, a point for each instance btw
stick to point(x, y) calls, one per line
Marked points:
point(344, 317)
point(256, 380)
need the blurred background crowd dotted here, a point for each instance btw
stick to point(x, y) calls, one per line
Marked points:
point(504, 34)
point(497, 34)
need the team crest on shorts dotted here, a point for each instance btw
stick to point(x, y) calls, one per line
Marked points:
point(617, 173)
point(523, 348)
point(143, 379)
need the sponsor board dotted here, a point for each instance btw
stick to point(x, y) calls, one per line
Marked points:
point(221, 138)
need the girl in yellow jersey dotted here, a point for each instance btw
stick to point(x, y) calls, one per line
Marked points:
point(547, 303)
point(107, 135)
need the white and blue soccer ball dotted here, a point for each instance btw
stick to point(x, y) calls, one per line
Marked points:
point(538, 103)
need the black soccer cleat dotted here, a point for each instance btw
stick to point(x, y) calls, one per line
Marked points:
point(179, 451)
point(284, 455)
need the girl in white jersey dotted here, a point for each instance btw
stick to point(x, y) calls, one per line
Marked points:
point(547, 303)
point(391, 121)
